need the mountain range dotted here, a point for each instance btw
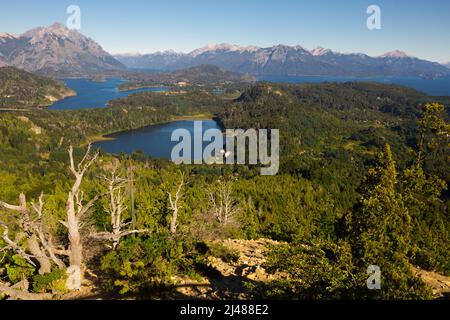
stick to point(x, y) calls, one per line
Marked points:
point(58, 51)
point(282, 60)
point(55, 50)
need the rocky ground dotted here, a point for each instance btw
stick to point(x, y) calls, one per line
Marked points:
point(228, 281)
point(439, 284)
point(229, 284)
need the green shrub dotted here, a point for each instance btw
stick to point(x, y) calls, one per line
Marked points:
point(54, 282)
point(144, 263)
point(318, 271)
point(18, 268)
point(220, 251)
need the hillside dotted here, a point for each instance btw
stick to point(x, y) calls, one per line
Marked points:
point(331, 137)
point(20, 89)
point(200, 75)
point(209, 74)
point(56, 51)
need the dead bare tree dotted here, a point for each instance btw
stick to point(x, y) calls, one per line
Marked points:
point(20, 291)
point(223, 205)
point(175, 206)
point(115, 209)
point(39, 245)
point(76, 211)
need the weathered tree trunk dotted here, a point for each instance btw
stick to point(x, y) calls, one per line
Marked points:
point(173, 221)
point(39, 243)
point(20, 292)
point(75, 213)
point(45, 264)
point(75, 244)
point(33, 230)
point(223, 205)
point(175, 206)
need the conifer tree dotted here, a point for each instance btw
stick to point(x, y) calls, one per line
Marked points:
point(381, 231)
point(422, 195)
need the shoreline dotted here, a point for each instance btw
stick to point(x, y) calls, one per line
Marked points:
point(71, 94)
point(134, 88)
point(107, 136)
point(46, 106)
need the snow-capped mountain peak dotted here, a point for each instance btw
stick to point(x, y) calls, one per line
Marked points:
point(395, 54)
point(170, 52)
point(319, 51)
point(6, 36)
point(222, 47)
point(290, 60)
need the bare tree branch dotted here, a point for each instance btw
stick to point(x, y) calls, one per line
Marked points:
point(31, 228)
point(75, 208)
point(115, 209)
point(223, 205)
point(20, 292)
point(40, 247)
point(175, 206)
point(14, 245)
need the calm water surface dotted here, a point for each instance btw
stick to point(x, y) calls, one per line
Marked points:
point(91, 94)
point(154, 141)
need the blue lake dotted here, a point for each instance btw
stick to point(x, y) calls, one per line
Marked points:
point(92, 94)
point(437, 87)
point(154, 141)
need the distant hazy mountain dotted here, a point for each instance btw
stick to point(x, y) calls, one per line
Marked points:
point(288, 60)
point(158, 61)
point(55, 50)
point(447, 65)
point(21, 89)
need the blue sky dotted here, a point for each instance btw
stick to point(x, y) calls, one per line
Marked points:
point(418, 27)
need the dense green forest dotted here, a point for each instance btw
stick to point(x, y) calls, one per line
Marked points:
point(21, 89)
point(363, 181)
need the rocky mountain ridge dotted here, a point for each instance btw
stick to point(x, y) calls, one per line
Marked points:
point(56, 51)
point(282, 60)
